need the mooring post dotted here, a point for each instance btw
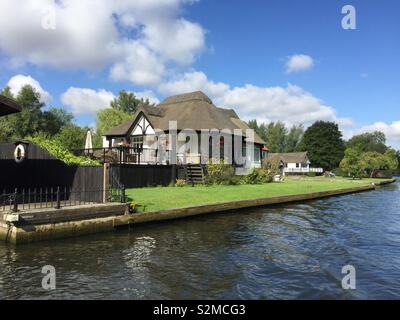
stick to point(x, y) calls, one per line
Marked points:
point(58, 200)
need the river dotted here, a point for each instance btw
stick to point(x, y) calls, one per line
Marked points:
point(285, 252)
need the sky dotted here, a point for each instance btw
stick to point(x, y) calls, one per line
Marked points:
point(270, 60)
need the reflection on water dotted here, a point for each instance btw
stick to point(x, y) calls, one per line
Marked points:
point(289, 252)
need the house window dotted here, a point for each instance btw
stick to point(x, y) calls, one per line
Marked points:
point(256, 154)
point(137, 143)
point(187, 145)
point(297, 165)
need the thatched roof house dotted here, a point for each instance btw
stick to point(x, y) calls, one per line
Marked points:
point(8, 106)
point(194, 111)
point(191, 111)
point(289, 158)
point(295, 162)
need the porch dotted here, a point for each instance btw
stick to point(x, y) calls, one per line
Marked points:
point(139, 156)
point(303, 170)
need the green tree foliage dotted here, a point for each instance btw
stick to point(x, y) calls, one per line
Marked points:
point(261, 129)
point(127, 102)
point(357, 163)
point(293, 138)
point(324, 144)
point(110, 118)
point(277, 136)
point(32, 119)
point(369, 142)
point(72, 137)
point(350, 164)
point(55, 119)
point(58, 151)
point(391, 162)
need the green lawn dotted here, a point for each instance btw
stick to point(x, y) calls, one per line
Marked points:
point(160, 198)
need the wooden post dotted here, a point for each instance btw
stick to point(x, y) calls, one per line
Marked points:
point(173, 174)
point(58, 202)
point(106, 181)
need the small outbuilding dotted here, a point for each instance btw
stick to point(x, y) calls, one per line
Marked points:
point(294, 162)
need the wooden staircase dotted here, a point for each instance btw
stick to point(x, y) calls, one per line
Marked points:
point(194, 174)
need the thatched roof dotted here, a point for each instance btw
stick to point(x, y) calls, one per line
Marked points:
point(8, 106)
point(191, 111)
point(293, 157)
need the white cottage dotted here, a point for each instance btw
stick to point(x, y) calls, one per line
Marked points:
point(294, 162)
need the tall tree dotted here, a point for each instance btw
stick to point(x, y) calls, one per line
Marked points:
point(54, 120)
point(276, 136)
point(128, 102)
point(324, 144)
point(261, 129)
point(72, 137)
point(32, 119)
point(369, 142)
point(7, 92)
point(110, 118)
point(293, 138)
point(29, 120)
point(351, 163)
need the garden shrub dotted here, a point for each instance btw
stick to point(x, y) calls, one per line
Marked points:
point(221, 173)
point(180, 183)
point(272, 166)
point(339, 172)
point(259, 176)
point(56, 150)
point(311, 174)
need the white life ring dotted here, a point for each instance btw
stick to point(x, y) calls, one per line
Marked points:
point(19, 153)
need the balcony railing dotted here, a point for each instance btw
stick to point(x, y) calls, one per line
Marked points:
point(303, 170)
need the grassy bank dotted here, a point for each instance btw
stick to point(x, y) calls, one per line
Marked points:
point(161, 198)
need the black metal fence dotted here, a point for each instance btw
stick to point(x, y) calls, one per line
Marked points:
point(57, 198)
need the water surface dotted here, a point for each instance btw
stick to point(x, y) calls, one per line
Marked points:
point(287, 252)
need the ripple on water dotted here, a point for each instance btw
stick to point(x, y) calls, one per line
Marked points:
point(295, 251)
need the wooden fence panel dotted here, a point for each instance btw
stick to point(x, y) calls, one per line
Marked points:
point(138, 176)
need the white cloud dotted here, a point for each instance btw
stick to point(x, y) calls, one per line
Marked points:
point(18, 81)
point(139, 65)
point(137, 39)
point(391, 131)
point(86, 101)
point(299, 62)
point(193, 81)
point(147, 94)
point(290, 104)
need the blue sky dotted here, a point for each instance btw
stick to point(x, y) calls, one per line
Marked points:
point(235, 51)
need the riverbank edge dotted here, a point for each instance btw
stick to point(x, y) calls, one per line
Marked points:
point(180, 213)
point(34, 232)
